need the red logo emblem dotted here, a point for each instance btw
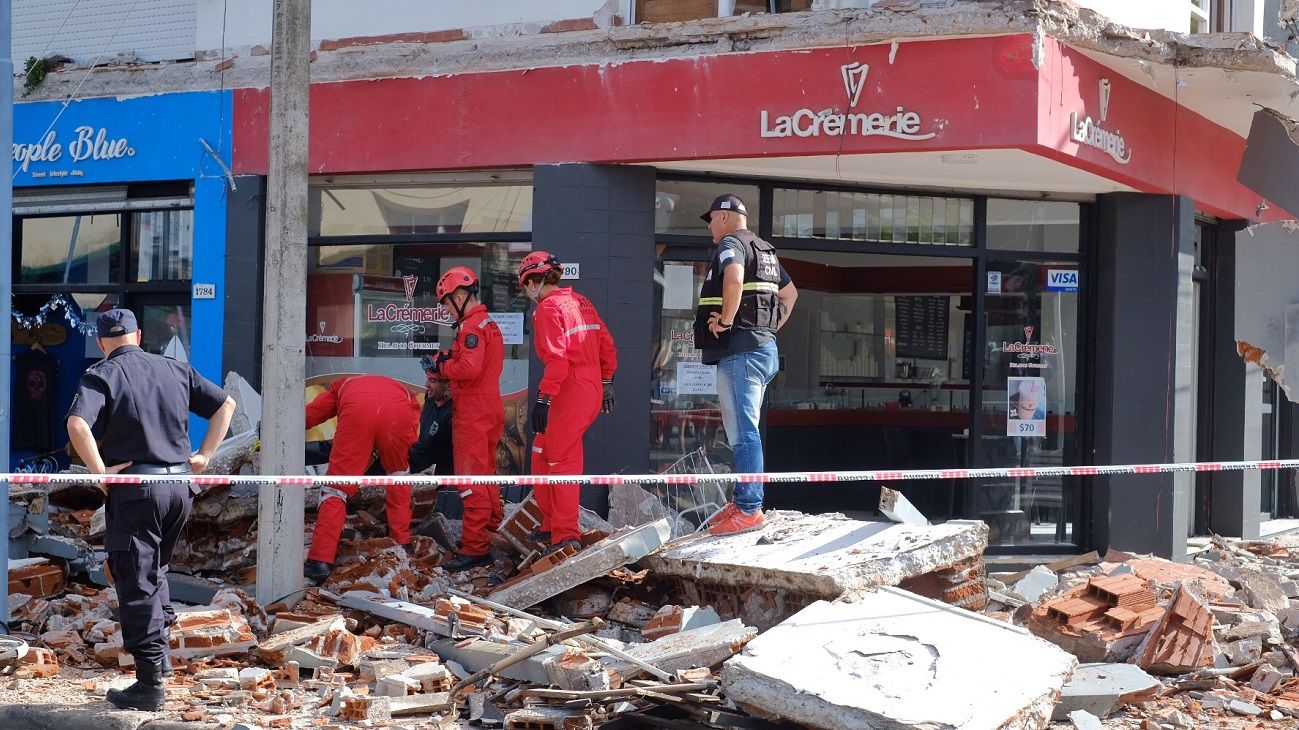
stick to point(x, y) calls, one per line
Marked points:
point(1028, 333)
point(410, 282)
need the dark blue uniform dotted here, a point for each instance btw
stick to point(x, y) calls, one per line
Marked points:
point(433, 448)
point(140, 403)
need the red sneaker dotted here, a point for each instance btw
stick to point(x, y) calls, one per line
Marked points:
point(737, 522)
point(722, 513)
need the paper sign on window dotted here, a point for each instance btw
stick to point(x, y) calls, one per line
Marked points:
point(511, 324)
point(1025, 406)
point(695, 378)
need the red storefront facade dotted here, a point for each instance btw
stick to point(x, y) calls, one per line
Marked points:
point(932, 192)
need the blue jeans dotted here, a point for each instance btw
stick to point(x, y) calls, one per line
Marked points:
point(741, 384)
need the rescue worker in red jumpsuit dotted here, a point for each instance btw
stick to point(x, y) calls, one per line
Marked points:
point(477, 414)
point(578, 353)
point(375, 413)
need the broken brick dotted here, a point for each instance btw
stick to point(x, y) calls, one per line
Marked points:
point(1183, 640)
point(359, 709)
point(40, 663)
point(39, 581)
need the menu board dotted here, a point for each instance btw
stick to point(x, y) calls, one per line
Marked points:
point(922, 327)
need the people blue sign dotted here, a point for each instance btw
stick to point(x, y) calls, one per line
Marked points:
point(119, 139)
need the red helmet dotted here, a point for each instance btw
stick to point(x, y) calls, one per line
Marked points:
point(538, 262)
point(457, 278)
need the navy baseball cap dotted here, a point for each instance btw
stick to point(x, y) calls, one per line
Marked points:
point(115, 323)
point(726, 202)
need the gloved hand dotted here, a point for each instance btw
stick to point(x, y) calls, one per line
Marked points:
point(609, 399)
point(541, 414)
point(433, 363)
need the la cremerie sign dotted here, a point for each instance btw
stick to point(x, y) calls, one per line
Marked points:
point(830, 122)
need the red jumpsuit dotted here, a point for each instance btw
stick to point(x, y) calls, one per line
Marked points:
point(578, 353)
point(477, 421)
point(374, 413)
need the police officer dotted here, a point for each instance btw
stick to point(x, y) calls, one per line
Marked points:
point(141, 404)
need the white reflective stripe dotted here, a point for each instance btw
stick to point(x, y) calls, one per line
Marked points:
point(327, 491)
point(466, 492)
point(483, 323)
point(536, 449)
point(582, 328)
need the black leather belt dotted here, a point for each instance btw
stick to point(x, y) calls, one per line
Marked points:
point(157, 469)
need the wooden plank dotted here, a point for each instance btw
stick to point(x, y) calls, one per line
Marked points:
point(1057, 566)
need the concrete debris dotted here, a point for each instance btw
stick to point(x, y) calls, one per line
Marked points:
point(804, 558)
point(393, 640)
point(896, 507)
point(1084, 720)
point(623, 547)
point(1100, 689)
point(894, 659)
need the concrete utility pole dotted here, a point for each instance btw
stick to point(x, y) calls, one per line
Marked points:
point(284, 305)
point(6, 278)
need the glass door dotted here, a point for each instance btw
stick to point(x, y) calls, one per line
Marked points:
point(1030, 410)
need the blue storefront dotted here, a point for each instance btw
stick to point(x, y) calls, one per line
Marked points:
point(117, 202)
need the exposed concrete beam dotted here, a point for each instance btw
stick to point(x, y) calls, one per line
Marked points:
point(490, 49)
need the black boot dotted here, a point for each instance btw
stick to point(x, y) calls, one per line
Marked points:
point(146, 694)
point(575, 544)
point(316, 571)
point(465, 562)
point(539, 536)
point(167, 670)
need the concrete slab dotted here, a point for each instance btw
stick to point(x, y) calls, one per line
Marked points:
point(615, 551)
point(894, 659)
point(480, 654)
point(821, 555)
point(1100, 689)
point(703, 647)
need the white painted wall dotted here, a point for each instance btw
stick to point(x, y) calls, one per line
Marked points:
point(1172, 15)
point(248, 22)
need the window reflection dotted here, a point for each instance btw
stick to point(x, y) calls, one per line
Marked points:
point(80, 249)
point(411, 209)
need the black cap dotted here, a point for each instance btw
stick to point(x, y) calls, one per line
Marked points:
point(115, 323)
point(726, 202)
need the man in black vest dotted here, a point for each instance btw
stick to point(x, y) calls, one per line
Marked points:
point(745, 299)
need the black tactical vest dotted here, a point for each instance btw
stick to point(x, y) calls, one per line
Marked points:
point(759, 305)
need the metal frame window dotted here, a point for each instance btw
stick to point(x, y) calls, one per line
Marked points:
point(126, 202)
point(697, 247)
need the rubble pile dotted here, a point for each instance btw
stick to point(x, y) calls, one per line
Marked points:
point(798, 623)
point(1164, 644)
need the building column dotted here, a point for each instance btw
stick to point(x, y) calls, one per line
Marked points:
point(601, 217)
point(1144, 367)
point(1234, 498)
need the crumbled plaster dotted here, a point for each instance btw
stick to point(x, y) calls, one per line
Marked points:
point(514, 46)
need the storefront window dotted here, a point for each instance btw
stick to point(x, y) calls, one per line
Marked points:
point(76, 249)
point(1033, 225)
point(1031, 411)
point(679, 203)
point(372, 309)
point(341, 210)
point(166, 329)
point(827, 214)
point(162, 248)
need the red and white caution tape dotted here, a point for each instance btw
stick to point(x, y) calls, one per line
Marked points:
point(659, 479)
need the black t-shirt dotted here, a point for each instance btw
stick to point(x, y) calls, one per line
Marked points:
point(37, 377)
point(433, 448)
point(141, 404)
point(732, 251)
